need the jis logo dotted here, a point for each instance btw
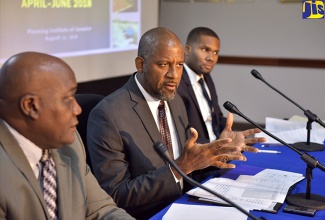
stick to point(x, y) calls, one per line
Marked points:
point(313, 9)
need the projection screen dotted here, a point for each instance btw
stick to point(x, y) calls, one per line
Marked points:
point(97, 38)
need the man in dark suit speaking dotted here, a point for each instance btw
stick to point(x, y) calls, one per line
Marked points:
point(43, 170)
point(124, 126)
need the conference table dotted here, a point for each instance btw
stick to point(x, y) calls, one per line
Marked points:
point(287, 160)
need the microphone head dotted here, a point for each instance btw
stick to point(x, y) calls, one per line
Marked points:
point(162, 150)
point(160, 147)
point(231, 107)
point(256, 74)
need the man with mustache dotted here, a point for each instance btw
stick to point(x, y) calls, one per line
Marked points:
point(124, 126)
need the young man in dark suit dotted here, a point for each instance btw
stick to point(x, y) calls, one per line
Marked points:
point(201, 55)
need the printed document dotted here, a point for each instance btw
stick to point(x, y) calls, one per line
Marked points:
point(259, 192)
point(291, 131)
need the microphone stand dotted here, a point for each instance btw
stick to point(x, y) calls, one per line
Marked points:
point(163, 153)
point(307, 199)
point(303, 146)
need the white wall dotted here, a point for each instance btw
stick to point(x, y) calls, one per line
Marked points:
point(261, 28)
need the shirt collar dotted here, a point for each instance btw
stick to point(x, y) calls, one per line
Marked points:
point(150, 100)
point(194, 78)
point(31, 151)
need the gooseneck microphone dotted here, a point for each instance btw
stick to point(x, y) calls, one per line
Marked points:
point(163, 153)
point(300, 199)
point(304, 146)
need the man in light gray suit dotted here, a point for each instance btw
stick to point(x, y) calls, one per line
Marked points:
point(38, 111)
point(124, 126)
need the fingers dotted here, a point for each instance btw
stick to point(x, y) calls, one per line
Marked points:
point(224, 165)
point(192, 140)
point(225, 154)
point(255, 140)
point(248, 148)
point(219, 143)
point(221, 161)
point(252, 131)
point(229, 121)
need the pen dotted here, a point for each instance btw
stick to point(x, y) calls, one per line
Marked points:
point(269, 145)
point(269, 151)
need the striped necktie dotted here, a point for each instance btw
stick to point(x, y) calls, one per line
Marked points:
point(212, 112)
point(164, 128)
point(49, 183)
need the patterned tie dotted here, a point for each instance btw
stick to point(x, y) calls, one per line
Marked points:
point(49, 183)
point(164, 129)
point(213, 114)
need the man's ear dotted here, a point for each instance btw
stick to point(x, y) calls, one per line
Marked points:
point(187, 49)
point(29, 105)
point(139, 62)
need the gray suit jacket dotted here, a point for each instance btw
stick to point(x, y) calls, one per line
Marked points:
point(121, 135)
point(79, 195)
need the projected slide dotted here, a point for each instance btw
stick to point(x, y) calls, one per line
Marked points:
point(68, 28)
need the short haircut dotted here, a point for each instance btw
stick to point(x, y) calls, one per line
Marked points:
point(197, 32)
point(149, 40)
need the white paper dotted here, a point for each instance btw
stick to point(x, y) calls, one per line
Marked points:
point(298, 118)
point(291, 131)
point(275, 124)
point(195, 212)
point(231, 189)
point(261, 191)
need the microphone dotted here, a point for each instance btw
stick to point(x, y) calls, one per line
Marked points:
point(164, 154)
point(300, 199)
point(304, 146)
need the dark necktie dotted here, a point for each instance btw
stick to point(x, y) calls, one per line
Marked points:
point(164, 129)
point(49, 183)
point(213, 114)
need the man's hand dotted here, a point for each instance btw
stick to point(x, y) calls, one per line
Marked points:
point(229, 146)
point(196, 156)
point(239, 138)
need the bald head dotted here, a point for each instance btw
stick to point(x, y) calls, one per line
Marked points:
point(27, 73)
point(36, 89)
point(154, 39)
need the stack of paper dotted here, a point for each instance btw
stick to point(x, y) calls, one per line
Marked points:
point(195, 212)
point(259, 192)
point(292, 131)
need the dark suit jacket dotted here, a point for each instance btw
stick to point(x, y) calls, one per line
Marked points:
point(79, 195)
point(185, 90)
point(121, 135)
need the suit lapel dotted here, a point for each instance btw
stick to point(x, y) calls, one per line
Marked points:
point(214, 99)
point(18, 157)
point(212, 90)
point(179, 125)
point(190, 90)
point(142, 110)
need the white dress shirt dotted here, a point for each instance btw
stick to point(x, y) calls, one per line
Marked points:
point(31, 151)
point(203, 103)
point(153, 104)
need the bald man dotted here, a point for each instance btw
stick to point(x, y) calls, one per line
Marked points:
point(38, 113)
point(124, 126)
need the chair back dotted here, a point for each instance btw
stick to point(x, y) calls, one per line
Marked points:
point(87, 102)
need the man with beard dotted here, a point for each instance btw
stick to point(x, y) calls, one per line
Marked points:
point(124, 126)
point(201, 55)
